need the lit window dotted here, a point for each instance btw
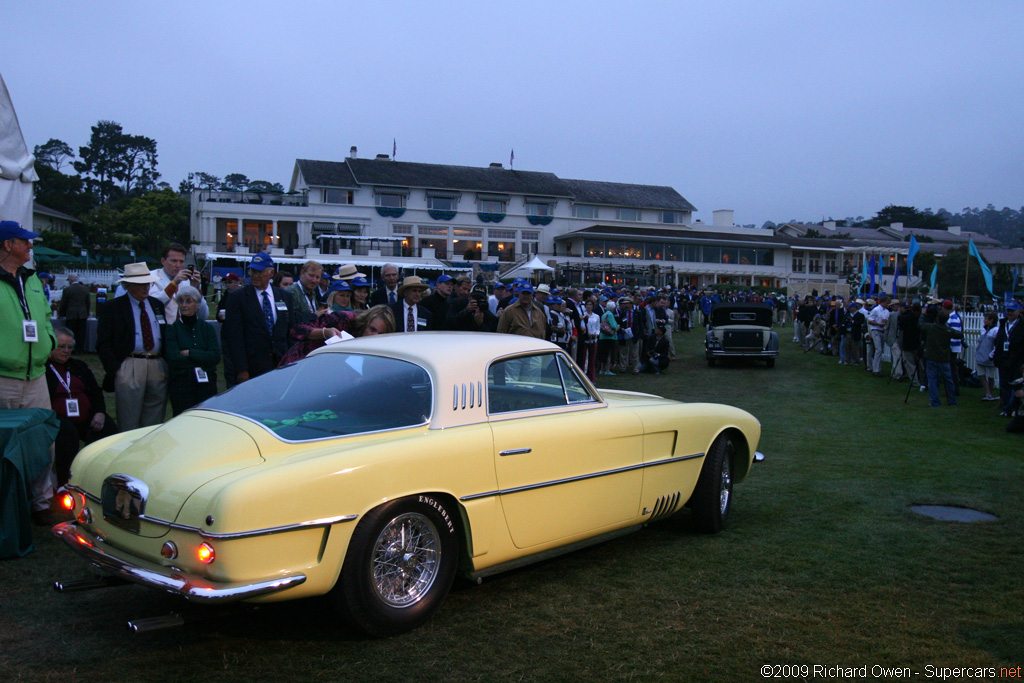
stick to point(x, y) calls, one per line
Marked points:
point(490, 206)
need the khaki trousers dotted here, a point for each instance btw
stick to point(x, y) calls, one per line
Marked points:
point(140, 392)
point(17, 394)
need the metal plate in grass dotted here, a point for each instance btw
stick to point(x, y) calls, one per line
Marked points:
point(953, 513)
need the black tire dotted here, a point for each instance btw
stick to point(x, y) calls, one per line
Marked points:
point(712, 497)
point(400, 565)
point(770, 362)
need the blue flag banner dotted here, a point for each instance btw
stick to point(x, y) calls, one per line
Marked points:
point(935, 272)
point(863, 274)
point(871, 274)
point(911, 253)
point(986, 272)
point(896, 282)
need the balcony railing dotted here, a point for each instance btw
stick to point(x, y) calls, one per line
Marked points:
point(245, 197)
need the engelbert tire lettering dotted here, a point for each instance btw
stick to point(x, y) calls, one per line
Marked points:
point(427, 500)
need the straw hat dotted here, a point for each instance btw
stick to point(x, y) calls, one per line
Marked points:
point(137, 274)
point(411, 282)
point(347, 272)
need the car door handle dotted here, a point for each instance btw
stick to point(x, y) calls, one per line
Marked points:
point(515, 451)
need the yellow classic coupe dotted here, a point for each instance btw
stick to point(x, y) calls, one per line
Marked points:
point(374, 470)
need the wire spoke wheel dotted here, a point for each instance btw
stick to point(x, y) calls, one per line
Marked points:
point(405, 560)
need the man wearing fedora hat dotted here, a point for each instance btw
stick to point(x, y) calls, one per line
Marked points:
point(410, 314)
point(26, 340)
point(257, 319)
point(129, 342)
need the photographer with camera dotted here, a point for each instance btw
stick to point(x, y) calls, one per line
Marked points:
point(471, 314)
point(169, 276)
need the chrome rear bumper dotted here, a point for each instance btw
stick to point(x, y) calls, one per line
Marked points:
point(166, 578)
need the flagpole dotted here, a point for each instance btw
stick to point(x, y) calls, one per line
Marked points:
point(967, 268)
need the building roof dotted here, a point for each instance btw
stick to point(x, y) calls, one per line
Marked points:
point(361, 172)
point(47, 211)
point(627, 194)
point(326, 173)
point(1007, 256)
point(353, 173)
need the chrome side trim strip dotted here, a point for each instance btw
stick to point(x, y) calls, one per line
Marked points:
point(312, 524)
point(581, 477)
point(79, 489)
point(516, 451)
point(165, 578)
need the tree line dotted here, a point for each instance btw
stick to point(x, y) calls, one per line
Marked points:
point(113, 186)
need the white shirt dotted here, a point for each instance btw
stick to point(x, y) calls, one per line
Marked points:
point(270, 295)
point(955, 345)
point(153, 323)
point(877, 318)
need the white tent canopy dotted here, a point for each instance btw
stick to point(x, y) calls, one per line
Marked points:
point(17, 167)
point(535, 264)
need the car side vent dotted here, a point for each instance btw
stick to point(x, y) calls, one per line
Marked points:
point(467, 395)
point(665, 506)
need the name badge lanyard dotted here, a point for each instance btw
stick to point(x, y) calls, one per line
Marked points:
point(72, 403)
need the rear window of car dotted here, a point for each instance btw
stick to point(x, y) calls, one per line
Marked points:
point(332, 394)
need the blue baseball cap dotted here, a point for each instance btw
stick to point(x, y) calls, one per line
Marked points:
point(261, 261)
point(500, 285)
point(1014, 306)
point(12, 230)
point(359, 282)
point(554, 299)
point(340, 286)
point(43, 274)
point(525, 287)
point(444, 278)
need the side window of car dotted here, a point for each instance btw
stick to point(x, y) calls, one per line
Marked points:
point(575, 390)
point(525, 383)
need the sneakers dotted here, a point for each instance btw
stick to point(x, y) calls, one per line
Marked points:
point(989, 397)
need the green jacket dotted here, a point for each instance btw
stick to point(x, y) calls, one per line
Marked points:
point(201, 341)
point(936, 341)
point(20, 359)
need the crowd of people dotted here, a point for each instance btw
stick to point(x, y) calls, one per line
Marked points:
point(155, 342)
point(925, 343)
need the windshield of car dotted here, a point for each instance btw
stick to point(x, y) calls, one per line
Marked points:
point(332, 394)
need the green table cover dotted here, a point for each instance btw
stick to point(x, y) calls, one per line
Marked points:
point(25, 440)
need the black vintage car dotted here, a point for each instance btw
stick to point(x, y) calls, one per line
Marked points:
point(741, 330)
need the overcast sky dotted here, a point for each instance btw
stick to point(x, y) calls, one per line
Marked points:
point(779, 110)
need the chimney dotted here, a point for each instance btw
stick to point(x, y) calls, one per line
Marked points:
point(352, 154)
point(496, 164)
point(829, 225)
point(898, 227)
point(722, 218)
point(954, 230)
point(384, 157)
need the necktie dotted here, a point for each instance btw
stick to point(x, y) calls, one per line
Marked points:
point(391, 297)
point(268, 313)
point(410, 323)
point(147, 328)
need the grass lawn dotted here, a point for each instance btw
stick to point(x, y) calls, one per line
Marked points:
point(821, 563)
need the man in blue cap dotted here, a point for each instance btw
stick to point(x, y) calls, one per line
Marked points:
point(257, 319)
point(524, 317)
point(26, 340)
point(437, 301)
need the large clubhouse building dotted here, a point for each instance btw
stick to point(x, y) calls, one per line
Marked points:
point(434, 218)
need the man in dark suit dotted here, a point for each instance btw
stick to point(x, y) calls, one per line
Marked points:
point(130, 341)
point(410, 315)
point(257, 319)
point(74, 308)
point(388, 294)
point(1009, 355)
